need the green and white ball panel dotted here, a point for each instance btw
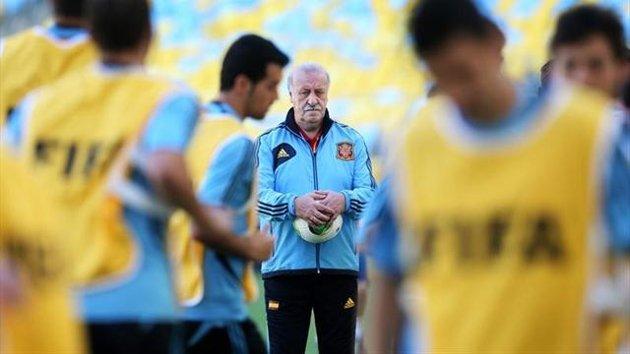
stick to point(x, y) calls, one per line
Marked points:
point(317, 234)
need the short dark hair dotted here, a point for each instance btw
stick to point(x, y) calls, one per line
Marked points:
point(434, 22)
point(249, 55)
point(69, 8)
point(582, 21)
point(119, 25)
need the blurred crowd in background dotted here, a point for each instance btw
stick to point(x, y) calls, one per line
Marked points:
point(362, 44)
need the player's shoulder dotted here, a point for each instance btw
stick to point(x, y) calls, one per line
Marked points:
point(273, 133)
point(423, 117)
point(141, 76)
point(220, 113)
point(39, 38)
point(181, 91)
point(168, 90)
point(23, 38)
point(15, 48)
point(348, 131)
point(252, 129)
point(238, 142)
point(222, 118)
point(580, 108)
point(588, 100)
point(579, 101)
point(154, 76)
point(221, 123)
point(74, 81)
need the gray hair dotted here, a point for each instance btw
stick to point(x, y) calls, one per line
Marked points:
point(307, 68)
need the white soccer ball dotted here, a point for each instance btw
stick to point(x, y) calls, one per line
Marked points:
point(317, 234)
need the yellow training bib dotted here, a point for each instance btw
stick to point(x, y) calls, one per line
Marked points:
point(43, 321)
point(34, 58)
point(212, 132)
point(75, 129)
point(501, 228)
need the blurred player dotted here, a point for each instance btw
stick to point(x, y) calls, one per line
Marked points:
point(221, 155)
point(35, 301)
point(589, 48)
point(41, 55)
point(70, 132)
point(378, 226)
point(380, 232)
point(362, 288)
point(496, 196)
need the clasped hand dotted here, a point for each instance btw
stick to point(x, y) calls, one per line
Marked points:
point(320, 207)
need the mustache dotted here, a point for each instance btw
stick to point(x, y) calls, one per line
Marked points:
point(309, 108)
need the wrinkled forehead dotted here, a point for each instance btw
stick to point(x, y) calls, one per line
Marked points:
point(310, 79)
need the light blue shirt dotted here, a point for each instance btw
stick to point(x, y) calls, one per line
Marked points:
point(227, 184)
point(148, 294)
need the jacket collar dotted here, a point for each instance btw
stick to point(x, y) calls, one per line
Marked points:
point(290, 123)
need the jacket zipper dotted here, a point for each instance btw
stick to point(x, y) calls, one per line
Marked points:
point(316, 185)
point(314, 157)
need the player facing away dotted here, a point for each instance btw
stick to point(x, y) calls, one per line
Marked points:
point(40, 55)
point(214, 286)
point(497, 197)
point(38, 315)
point(71, 132)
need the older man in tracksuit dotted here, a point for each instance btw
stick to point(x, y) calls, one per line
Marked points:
point(314, 168)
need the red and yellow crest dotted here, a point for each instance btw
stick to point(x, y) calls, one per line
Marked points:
point(345, 151)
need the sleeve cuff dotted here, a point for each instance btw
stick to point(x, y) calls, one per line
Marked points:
point(292, 205)
point(346, 195)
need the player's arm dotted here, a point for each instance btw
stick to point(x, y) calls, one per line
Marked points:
point(164, 142)
point(229, 175)
point(617, 192)
point(11, 287)
point(381, 244)
point(167, 173)
point(616, 210)
point(384, 317)
point(363, 183)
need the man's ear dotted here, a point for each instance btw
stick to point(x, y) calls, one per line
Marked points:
point(497, 37)
point(242, 84)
